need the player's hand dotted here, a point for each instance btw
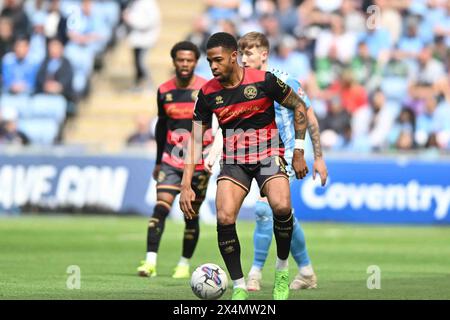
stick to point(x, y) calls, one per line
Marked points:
point(156, 171)
point(320, 167)
point(187, 196)
point(299, 164)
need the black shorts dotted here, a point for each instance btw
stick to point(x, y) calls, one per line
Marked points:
point(169, 180)
point(264, 171)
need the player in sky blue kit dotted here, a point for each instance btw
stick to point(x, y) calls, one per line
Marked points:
point(254, 49)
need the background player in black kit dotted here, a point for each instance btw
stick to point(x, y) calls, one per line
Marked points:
point(176, 99)
point(243, 101)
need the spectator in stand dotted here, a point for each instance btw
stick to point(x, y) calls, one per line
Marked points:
point(442, 28)
point(228, 26)
point(288, 59)
point(6, 36)
point(13, 9)
point(86, 31)
point(375, 121)
point(337, 118)
point(337, 37)
point(271, 29)
point(402, 133)
point(425, 121)
point(222, 9)
point(55, 73)
point(354, 20)
point(143, 19)
point(56, 23)
point(19, 69)
point(410, 45)
point(427, 72)
point(200, 33)
point(379, 42)
point(9, 134)
point(352, 94)
point(287, 16)
point(328, 69)
point(396, 76)
point(38, 42)
point(365, 68)
point(143, 135)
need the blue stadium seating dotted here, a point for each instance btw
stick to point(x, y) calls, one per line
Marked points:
point(41, 131)
point(49, 106)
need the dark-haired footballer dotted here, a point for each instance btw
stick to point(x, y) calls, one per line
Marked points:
point(243, 101)
point(176, 99)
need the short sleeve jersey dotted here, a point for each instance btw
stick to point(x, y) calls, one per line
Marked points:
point(176, 105)
point(246, 115)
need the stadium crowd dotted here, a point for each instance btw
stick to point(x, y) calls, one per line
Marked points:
point(49, 50)
point(377, 72)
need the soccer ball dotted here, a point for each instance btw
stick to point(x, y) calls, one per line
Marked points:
point(209, 281)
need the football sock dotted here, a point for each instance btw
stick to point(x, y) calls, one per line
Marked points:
point(282, 228)
point(298, 245)
point(240, 283)
point(262, 237)
point(255, 270)
point(230, 249)
point(183, 261)
point(281, 264)
point(156, 227)
point(190, 239)
point(151, 257)
point(306, 270)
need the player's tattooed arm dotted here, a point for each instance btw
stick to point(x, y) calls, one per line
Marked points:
point(319, 165)
point(294, 102)
point(314, 133)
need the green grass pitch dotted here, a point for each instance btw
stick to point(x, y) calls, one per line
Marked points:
point(35, 252)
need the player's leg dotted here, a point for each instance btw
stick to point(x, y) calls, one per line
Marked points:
point(274, 183)
point(231, 193)
point(168, 186)
point(262, 238)
point(305, 278)
point(192, 226)
point(155, 230)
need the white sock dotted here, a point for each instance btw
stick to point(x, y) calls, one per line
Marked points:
point(306, 270)
point(240, 283)
point(255, 271)
point(183, 261)
point(151, 257)
point(282, 264)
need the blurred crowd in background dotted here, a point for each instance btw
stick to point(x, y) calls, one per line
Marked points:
point(377, 72)
point(49, 51)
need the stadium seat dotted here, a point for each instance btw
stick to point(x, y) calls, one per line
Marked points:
point(49, 106)
point(18, 102)
point(40, 131)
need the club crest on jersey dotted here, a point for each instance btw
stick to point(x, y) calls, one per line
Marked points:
point(250, 92)
point(282, 84)
point(219, 100)
point(169, 97)
point(194, 95)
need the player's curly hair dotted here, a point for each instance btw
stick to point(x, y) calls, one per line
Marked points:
point(222, 39)
point(185, 46)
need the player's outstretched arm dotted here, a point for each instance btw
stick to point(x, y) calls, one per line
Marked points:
point(193, 156)
point(293, 101)
point(314, 133)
